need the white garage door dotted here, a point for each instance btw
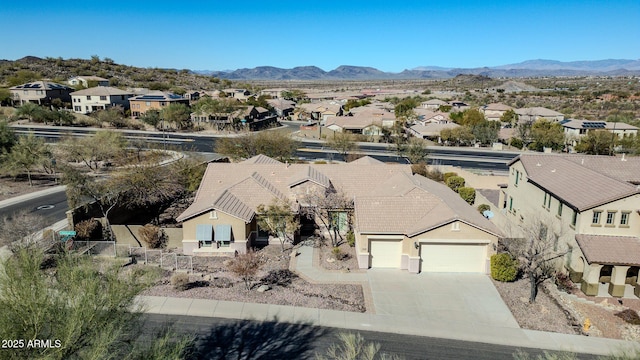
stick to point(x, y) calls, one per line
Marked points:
point(385, 253)
point(453, 257)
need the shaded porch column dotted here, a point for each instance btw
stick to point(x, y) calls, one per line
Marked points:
point(591, 279)
point(618, 278)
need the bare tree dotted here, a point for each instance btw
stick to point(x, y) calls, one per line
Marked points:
point(280, 220)
point(246, 266)
point(326, 208)
point(22, 228)
point(538, 251)
point(153, 236)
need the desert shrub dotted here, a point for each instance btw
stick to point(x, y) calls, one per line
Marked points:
point(282, 277)
point(454, 182)
point(88, 229)
point(351, 238)
point(447, 175)
point(221, 282)
point(564, 283)
point(504, 267)
point(337, 253)
point(180, 281)
point(246, 266)
point(516, 143)
point(153, 236)
point(468, 194)
point(319, 162)
point(483, 207)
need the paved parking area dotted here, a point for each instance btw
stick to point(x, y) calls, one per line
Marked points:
point(439, 297)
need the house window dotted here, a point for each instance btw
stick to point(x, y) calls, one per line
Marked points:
point(148, 103)
point(77, 108)
point(339, 220)
point(39, 92)
point(559, 209)
point(103, 98)
point(163, 103)
point(510, 203)
point(611, 217)
point(204, 235)
point(455, 226)
point(596, 217)
point(574, 218)
point(624, 218)
point(88, 97)
point(517, 177)
point(213, 214)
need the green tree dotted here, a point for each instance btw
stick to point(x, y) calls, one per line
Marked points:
point(151, 117)
point(279, 219)
point(61, 117)
point(472, 117)
point(504, 267)
point(87, 312)
point(416, 151)
point(94, 151)
point(7, 137)
point(293, 94)
point(5, 96)
point(457, 136)
point(246, 267)
point(342, 142)
point(112, 116)
point(547, 134)
point(404, 110)
point(29, 110)
point(275, 144)
point(597, 142)
point(178, 114)
point(509, 117)
point(486, 132)
point(219, 109)
point(27, 153)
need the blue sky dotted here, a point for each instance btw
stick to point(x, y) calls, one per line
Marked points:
point(388, 35)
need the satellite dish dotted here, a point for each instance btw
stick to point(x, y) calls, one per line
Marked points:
point(488, 214)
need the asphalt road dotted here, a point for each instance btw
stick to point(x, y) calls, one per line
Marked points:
point(51, 207)
point(468, 158)
point(219, 338)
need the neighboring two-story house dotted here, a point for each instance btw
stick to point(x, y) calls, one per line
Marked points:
point(575, 129)
point(40, 92)
point(592, 203)
point(88, 81)
point(99, 98)
point(154, 100)
point(399, 220)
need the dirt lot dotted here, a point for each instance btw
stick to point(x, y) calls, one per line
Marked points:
point(9, 187)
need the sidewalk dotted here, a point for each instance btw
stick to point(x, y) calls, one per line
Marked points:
point(403, 324)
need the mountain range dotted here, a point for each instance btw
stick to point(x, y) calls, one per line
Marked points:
point(529, 68)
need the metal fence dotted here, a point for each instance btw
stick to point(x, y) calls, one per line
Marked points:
point(95, 248)
point(165, 260)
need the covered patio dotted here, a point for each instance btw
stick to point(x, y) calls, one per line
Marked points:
point(612, 260)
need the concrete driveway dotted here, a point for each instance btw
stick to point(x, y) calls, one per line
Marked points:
point(439, 298)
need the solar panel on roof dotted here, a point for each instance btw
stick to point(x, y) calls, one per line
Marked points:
point(564, 121)
point(594, 125)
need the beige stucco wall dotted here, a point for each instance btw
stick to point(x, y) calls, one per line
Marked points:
point(239, 229)
point(445, 233)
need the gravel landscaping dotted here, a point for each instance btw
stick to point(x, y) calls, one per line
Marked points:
point(214, 281)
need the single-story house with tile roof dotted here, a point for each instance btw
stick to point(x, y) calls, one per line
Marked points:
point(594, 204)
point(495, 111)
point(534, 113)
point(400, 220)
point(430, 130)
point(433, 104)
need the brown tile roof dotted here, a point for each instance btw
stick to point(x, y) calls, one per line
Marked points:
point(577, 185)
point(611, 250)
point(247, 181)
point(102, 91)
point(497, 107)
point(410, 205)
point(366, 160)
point(310, 174)
point(230, 204)
point(260, 159)
point(624, 169)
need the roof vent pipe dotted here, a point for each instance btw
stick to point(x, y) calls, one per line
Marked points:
point(623, 159)
point(582, 162)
